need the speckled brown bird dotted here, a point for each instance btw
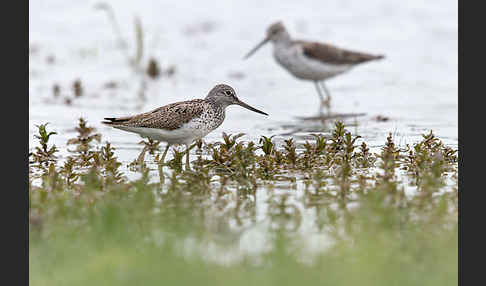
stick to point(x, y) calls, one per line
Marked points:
point(182, 122)
point(311, 60)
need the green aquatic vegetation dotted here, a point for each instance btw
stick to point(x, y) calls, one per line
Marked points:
point(338, 158)
point(136, 60)
point(68, 171)
point(290, 150)
point(429, 156)
point(229, 140)
point(364, 159)
point(327, 210)
point(84, 143)
point(389, 162)
point(44, 155)
point(148, 145)
point(111, 166)
point(267, 145)
point(139, 40)
point(176, 163)
point(88, 163)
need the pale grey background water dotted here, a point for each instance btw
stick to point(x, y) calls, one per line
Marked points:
point(415, 86)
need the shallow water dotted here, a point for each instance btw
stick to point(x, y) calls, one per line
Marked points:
point(415, 86)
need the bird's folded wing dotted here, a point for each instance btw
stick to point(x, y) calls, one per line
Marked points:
point(167, 117)
point(333, 55)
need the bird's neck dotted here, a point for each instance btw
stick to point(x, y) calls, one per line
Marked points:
point(217, 105)
point(283, 39)
point(219, 112)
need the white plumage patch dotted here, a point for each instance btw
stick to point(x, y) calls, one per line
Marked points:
point(186, 134)
point(293, 59)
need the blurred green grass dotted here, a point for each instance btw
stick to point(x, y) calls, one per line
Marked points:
point(116, 247)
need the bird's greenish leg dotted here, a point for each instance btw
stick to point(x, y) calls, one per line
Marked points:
point(142, 155)
point(321, 97)
point(161, 163)
point(327, 101)
point(188, 167)
point(162, 159)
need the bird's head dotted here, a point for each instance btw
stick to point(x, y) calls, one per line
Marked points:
point(275, 33)
point(224, 95)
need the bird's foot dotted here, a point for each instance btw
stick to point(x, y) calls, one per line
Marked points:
point(325, 105)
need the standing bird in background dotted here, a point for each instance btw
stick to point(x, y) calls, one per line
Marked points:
point(311, 60)
point(182, 122)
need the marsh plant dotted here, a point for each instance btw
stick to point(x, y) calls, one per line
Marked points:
point(379, 218)
point(135, 61)
point(43, 155)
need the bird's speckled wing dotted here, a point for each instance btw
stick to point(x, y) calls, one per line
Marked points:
point(168, 117)
point(333, 55)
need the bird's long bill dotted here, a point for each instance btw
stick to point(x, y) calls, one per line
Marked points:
point(256, 48)
point(241, 103)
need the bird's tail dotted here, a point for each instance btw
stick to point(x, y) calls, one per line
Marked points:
point(115, 120)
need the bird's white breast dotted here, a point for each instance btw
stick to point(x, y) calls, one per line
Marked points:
point(292, 58)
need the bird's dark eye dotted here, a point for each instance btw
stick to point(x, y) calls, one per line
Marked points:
point(228, 92)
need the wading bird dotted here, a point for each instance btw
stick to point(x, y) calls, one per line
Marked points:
point(312, 61)
point(182, 122)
